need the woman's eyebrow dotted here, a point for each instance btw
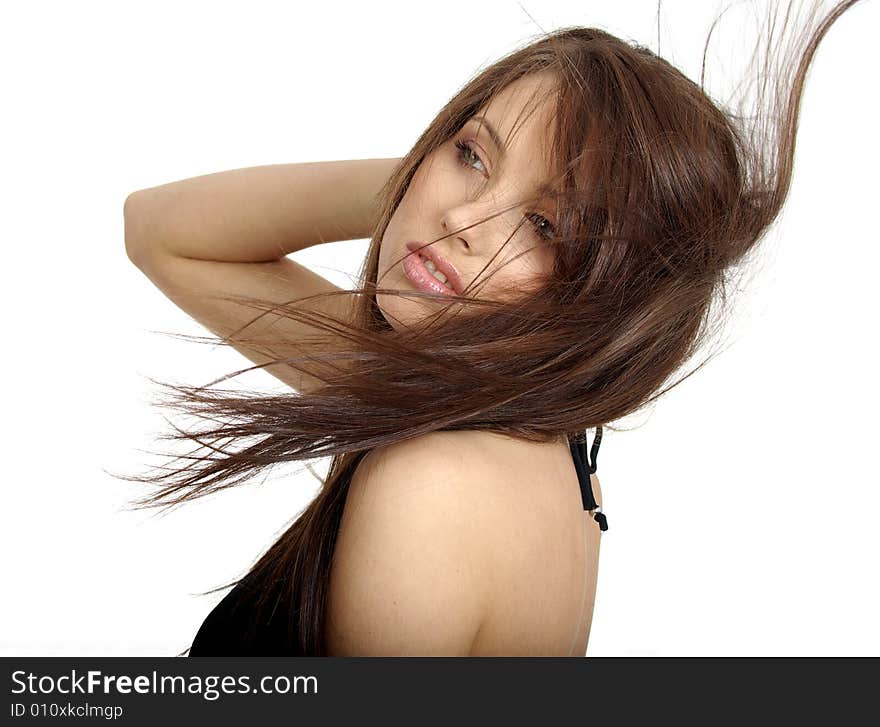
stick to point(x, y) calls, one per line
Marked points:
point(493, 134)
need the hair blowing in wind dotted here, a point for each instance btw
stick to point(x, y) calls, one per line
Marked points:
point(661, 193)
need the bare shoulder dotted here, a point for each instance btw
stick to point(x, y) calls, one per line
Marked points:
point(410, 562)
point(479, 475)
point(437, 474)
point(433, 529)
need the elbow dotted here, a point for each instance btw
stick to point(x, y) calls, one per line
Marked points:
point(133, 220)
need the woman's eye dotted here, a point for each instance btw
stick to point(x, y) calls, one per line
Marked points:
point(467, 157)
point(542, 225)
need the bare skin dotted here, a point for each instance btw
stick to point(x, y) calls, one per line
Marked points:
point(545, 607)
point(464, 543)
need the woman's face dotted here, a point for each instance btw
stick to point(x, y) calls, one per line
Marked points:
point(482, 170)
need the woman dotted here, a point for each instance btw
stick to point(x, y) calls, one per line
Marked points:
point(582, 204)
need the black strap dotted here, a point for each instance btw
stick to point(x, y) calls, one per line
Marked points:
point(594, 450)
point(586, 465)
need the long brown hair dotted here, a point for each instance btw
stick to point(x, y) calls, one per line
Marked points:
point(661, 192)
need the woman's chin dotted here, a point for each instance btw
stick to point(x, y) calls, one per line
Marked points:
point(401, 312)
point(394, 310)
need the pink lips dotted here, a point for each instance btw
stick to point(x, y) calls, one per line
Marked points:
point(415, 270)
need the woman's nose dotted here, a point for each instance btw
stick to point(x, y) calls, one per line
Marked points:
point(474, 225)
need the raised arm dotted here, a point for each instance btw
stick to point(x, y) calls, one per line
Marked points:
point(256, 214)
point(229, 233)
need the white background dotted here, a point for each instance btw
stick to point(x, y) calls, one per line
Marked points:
point(742, 507)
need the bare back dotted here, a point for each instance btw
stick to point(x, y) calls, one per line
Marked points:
point(544, 604)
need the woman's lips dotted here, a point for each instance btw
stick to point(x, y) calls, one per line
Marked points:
point(453, 279)
point(421, 277)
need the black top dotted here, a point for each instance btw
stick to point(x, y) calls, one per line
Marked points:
point(230, 630)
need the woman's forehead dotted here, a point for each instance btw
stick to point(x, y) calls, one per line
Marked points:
point(526, 102)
